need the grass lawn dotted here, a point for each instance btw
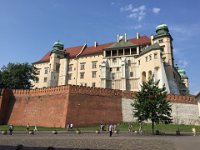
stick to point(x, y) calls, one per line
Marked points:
point(120, 126)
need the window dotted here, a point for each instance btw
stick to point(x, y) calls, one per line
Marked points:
point(129, 62)
point(160, 41)
point(69, 76)
point(94, 64)
point(37, 80)
point(38, 72)
point(45, 79)
point(131, 74)
point(82, 66)
point(93, 84)
point(117, 68)
point(70, 67)
point(57, 67)
point(127, 51)
point(94, 74)
point(120, 52)
point(85, 84)
point(138, 62)
point(155, 55)
point(114, 53)
point(149, 57)
point(133, 51)
point(114, 60)
point(113, 76)
point(108, 53)
point(82, 75)
point(46, 70)
point(146, 59)
point(110, 69)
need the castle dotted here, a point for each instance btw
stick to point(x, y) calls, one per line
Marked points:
point(122, 65)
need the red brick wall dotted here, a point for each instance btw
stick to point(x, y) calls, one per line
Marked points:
point(84, 110)
point(59, 106)
point(45, 110)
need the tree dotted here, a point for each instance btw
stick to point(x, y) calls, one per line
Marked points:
point(17, 76)
point(151, 104)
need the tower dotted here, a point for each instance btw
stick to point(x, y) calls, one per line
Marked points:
point(54, 65)
point(164, 39)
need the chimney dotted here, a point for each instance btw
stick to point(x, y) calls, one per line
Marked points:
point(125, 39)
point(95, 44)
point(138, 35)
point(118, 38)
point(152, 37)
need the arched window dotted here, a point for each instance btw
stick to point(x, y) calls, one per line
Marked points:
point(144, 76)
point(150, 74)
point(129, 62)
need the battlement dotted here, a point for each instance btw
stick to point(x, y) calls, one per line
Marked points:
point(181, 99)
point(41, 91)
point(93, 91)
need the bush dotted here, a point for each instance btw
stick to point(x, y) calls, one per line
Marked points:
point(97, 131)
point(55, 132)
point(78, 131)
point(4, 132)
point(116, 131)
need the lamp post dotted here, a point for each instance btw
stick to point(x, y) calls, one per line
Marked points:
point(78, 106)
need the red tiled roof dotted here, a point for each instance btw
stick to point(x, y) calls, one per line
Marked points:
point(94, 50)
point(74, 51)
point(45, 58)
point(143, 40)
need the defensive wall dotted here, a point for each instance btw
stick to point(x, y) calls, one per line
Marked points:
point(82, 106)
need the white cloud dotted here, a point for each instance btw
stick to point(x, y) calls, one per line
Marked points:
point(137, 13)
point(156, 10)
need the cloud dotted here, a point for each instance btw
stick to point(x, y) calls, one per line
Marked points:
point(137, 13)
point(156, 10)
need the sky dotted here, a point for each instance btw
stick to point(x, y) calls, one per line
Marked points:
point(28, 28)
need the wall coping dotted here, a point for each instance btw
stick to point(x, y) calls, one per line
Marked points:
point(93, 91)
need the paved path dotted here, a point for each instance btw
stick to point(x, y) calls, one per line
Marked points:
point(92, 141)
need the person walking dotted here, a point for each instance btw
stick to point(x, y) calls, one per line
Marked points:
point(35, 128)
point(11, 128)
point(27, 127)
point(110, 128)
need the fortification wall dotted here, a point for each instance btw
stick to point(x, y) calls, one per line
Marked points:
point(82, 106)
point(185, 109)
point(42, 107)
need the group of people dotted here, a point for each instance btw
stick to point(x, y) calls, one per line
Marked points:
point(110, 128)
point(11, 128)
point(28, 128)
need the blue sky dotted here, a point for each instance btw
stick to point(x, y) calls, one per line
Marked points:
point(28, 28)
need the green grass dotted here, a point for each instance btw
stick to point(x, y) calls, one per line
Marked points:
point(120, 126)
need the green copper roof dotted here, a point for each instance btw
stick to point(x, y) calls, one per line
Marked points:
point(182, 73)
point(58, 43)
point(58, 46)
point(161, 26)
point(162, 29)
point(121, 44)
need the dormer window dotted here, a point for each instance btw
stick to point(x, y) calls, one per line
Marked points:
point(160, 41)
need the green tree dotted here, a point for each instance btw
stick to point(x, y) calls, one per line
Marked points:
point(17, 76)
point(151, 104)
